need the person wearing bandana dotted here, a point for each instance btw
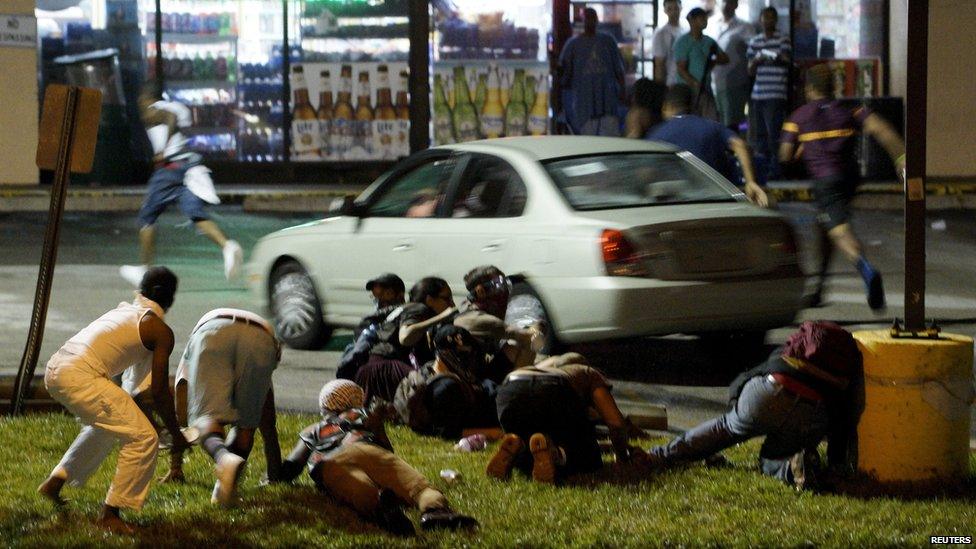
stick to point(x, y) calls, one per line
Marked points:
point(482, 315)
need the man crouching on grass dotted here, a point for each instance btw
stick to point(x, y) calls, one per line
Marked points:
point(349, 455)
point(79, 376)
point(224, 379)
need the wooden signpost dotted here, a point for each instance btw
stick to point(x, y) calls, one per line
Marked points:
point(68, 132)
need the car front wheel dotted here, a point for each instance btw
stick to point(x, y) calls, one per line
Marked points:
point(524, 309)
point(296, 308)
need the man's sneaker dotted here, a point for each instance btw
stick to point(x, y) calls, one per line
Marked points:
point(876, 294)
point(233, 257)
point(390, 517)
point(545, 455)
point(133, 274)
point(445, 519)
point(228, 469)
point(500, 465)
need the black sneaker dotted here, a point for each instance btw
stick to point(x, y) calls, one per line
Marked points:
point(876, 294)
point(445, 519)
point(805, 468)
point(390, 517)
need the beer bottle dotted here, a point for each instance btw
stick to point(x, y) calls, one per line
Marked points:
point(306, 141)
point(530, 88)
point(481, 92)
point(342, 115)
point(385, 123)
point(493, 114)
point(503, 83)
point(403, 117)
point(363, 144)
point(465, 117)
point(516, 111)
point(443, 125)
point(539, 115)
point(325, 114)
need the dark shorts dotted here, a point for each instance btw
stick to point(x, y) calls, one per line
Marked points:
point(165, 188)
point(380, 377)
point(548, 405)
point(833, 198)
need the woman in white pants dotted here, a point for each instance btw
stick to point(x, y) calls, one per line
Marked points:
point(79, 376)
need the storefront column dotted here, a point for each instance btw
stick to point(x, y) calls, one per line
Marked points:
point(18, 96)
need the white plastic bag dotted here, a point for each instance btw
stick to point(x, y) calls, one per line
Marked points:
point(197, 180)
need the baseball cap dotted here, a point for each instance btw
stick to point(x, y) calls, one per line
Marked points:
point(387, 280)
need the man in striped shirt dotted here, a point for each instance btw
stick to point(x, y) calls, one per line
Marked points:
point(769, 61)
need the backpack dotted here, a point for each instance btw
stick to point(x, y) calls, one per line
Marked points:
point(409, 400)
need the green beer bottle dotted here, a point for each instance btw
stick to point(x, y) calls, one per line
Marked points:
point(530, 85)
point(465, 116)
point(443, 126)
point(481, 92)
point(516, 112)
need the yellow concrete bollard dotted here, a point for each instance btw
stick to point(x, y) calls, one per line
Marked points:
point(916, 419)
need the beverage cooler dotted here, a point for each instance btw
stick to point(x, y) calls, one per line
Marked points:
point(349, 82)
point(490, 70)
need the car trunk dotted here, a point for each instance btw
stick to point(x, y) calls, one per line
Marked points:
point(706, 242)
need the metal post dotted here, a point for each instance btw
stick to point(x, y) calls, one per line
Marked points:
point(160, 78)
point(49, 255)
point(286, 87)
point(915, 133)
point(419, 75)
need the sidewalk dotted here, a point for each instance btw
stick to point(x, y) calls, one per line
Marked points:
point(309, 198)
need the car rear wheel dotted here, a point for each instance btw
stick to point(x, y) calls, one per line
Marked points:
point(525, 308)
point(296, 308)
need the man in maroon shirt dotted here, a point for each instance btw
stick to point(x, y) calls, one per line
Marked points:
point(822, 133)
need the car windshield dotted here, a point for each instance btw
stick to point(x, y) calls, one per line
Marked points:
point(633, 180)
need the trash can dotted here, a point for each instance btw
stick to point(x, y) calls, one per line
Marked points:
point(917, 397)
point(113, 163)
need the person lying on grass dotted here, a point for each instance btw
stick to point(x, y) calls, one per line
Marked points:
point(807, 390)
point(349, 455)
point(544, 412)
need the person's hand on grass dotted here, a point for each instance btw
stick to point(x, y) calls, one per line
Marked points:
point(174, 475)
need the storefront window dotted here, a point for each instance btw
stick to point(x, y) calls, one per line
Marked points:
point(631, 22)
point(349, 86)
point(490, 75)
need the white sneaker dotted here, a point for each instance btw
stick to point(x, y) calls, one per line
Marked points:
point(228, 470)
point(233, 257)
point(133, 273)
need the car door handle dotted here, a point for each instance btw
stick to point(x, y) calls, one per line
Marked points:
point(404, 247)
point(494, 247)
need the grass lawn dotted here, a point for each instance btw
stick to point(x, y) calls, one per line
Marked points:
point(692, 506)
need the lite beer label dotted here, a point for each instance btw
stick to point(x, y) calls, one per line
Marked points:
point(403, 138)
point(492, 125)
point(384, 137)
point(306, 136)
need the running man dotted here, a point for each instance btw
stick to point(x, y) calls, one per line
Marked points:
point(174, 165)
point(822, 133)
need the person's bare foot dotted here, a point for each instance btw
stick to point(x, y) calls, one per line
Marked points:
point(111, 521)
point(51, 489)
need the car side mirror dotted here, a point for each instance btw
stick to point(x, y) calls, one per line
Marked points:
point(344, 205)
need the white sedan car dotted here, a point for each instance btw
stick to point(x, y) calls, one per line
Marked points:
point(606, 238)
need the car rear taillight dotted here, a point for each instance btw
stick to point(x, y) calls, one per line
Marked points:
point(619, 255)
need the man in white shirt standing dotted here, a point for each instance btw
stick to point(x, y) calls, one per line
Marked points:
point(731, 80)
point(662, 44)
point(224, 378)
point(79, 376)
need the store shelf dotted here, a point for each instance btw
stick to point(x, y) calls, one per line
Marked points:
point(364, 32)
point(199, 84)
point(177, 38)
point(206, 130)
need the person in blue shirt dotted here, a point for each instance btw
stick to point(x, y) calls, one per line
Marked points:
point(706, 139)
point(593, 69)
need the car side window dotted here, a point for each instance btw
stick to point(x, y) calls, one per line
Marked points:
point(489, 187)
point(416, 193)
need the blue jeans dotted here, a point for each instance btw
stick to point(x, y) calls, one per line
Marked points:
point(766, 119)
point(790, 424)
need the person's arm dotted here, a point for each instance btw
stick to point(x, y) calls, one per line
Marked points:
point(175, 473)
point(753, 191)
point(606, 407)
point(685, 75)
point(636, 123)
point(410, 335)
point(292, 466)
point(885, 134)
point(269, 433)
point(754, 59)
point(659, 51)
point(566, 63)
point(490, 433)
point(158, 338)
point(789, 136)
point(721, 58)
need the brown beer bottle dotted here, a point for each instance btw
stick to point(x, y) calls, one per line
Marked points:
point(384, 124)
point(342, 116)
point(403, 116)
point(305, 138)
point(325, 114)
point(363, 142)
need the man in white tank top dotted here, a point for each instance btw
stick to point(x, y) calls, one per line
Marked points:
point(224, 378)
point(79, 376)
